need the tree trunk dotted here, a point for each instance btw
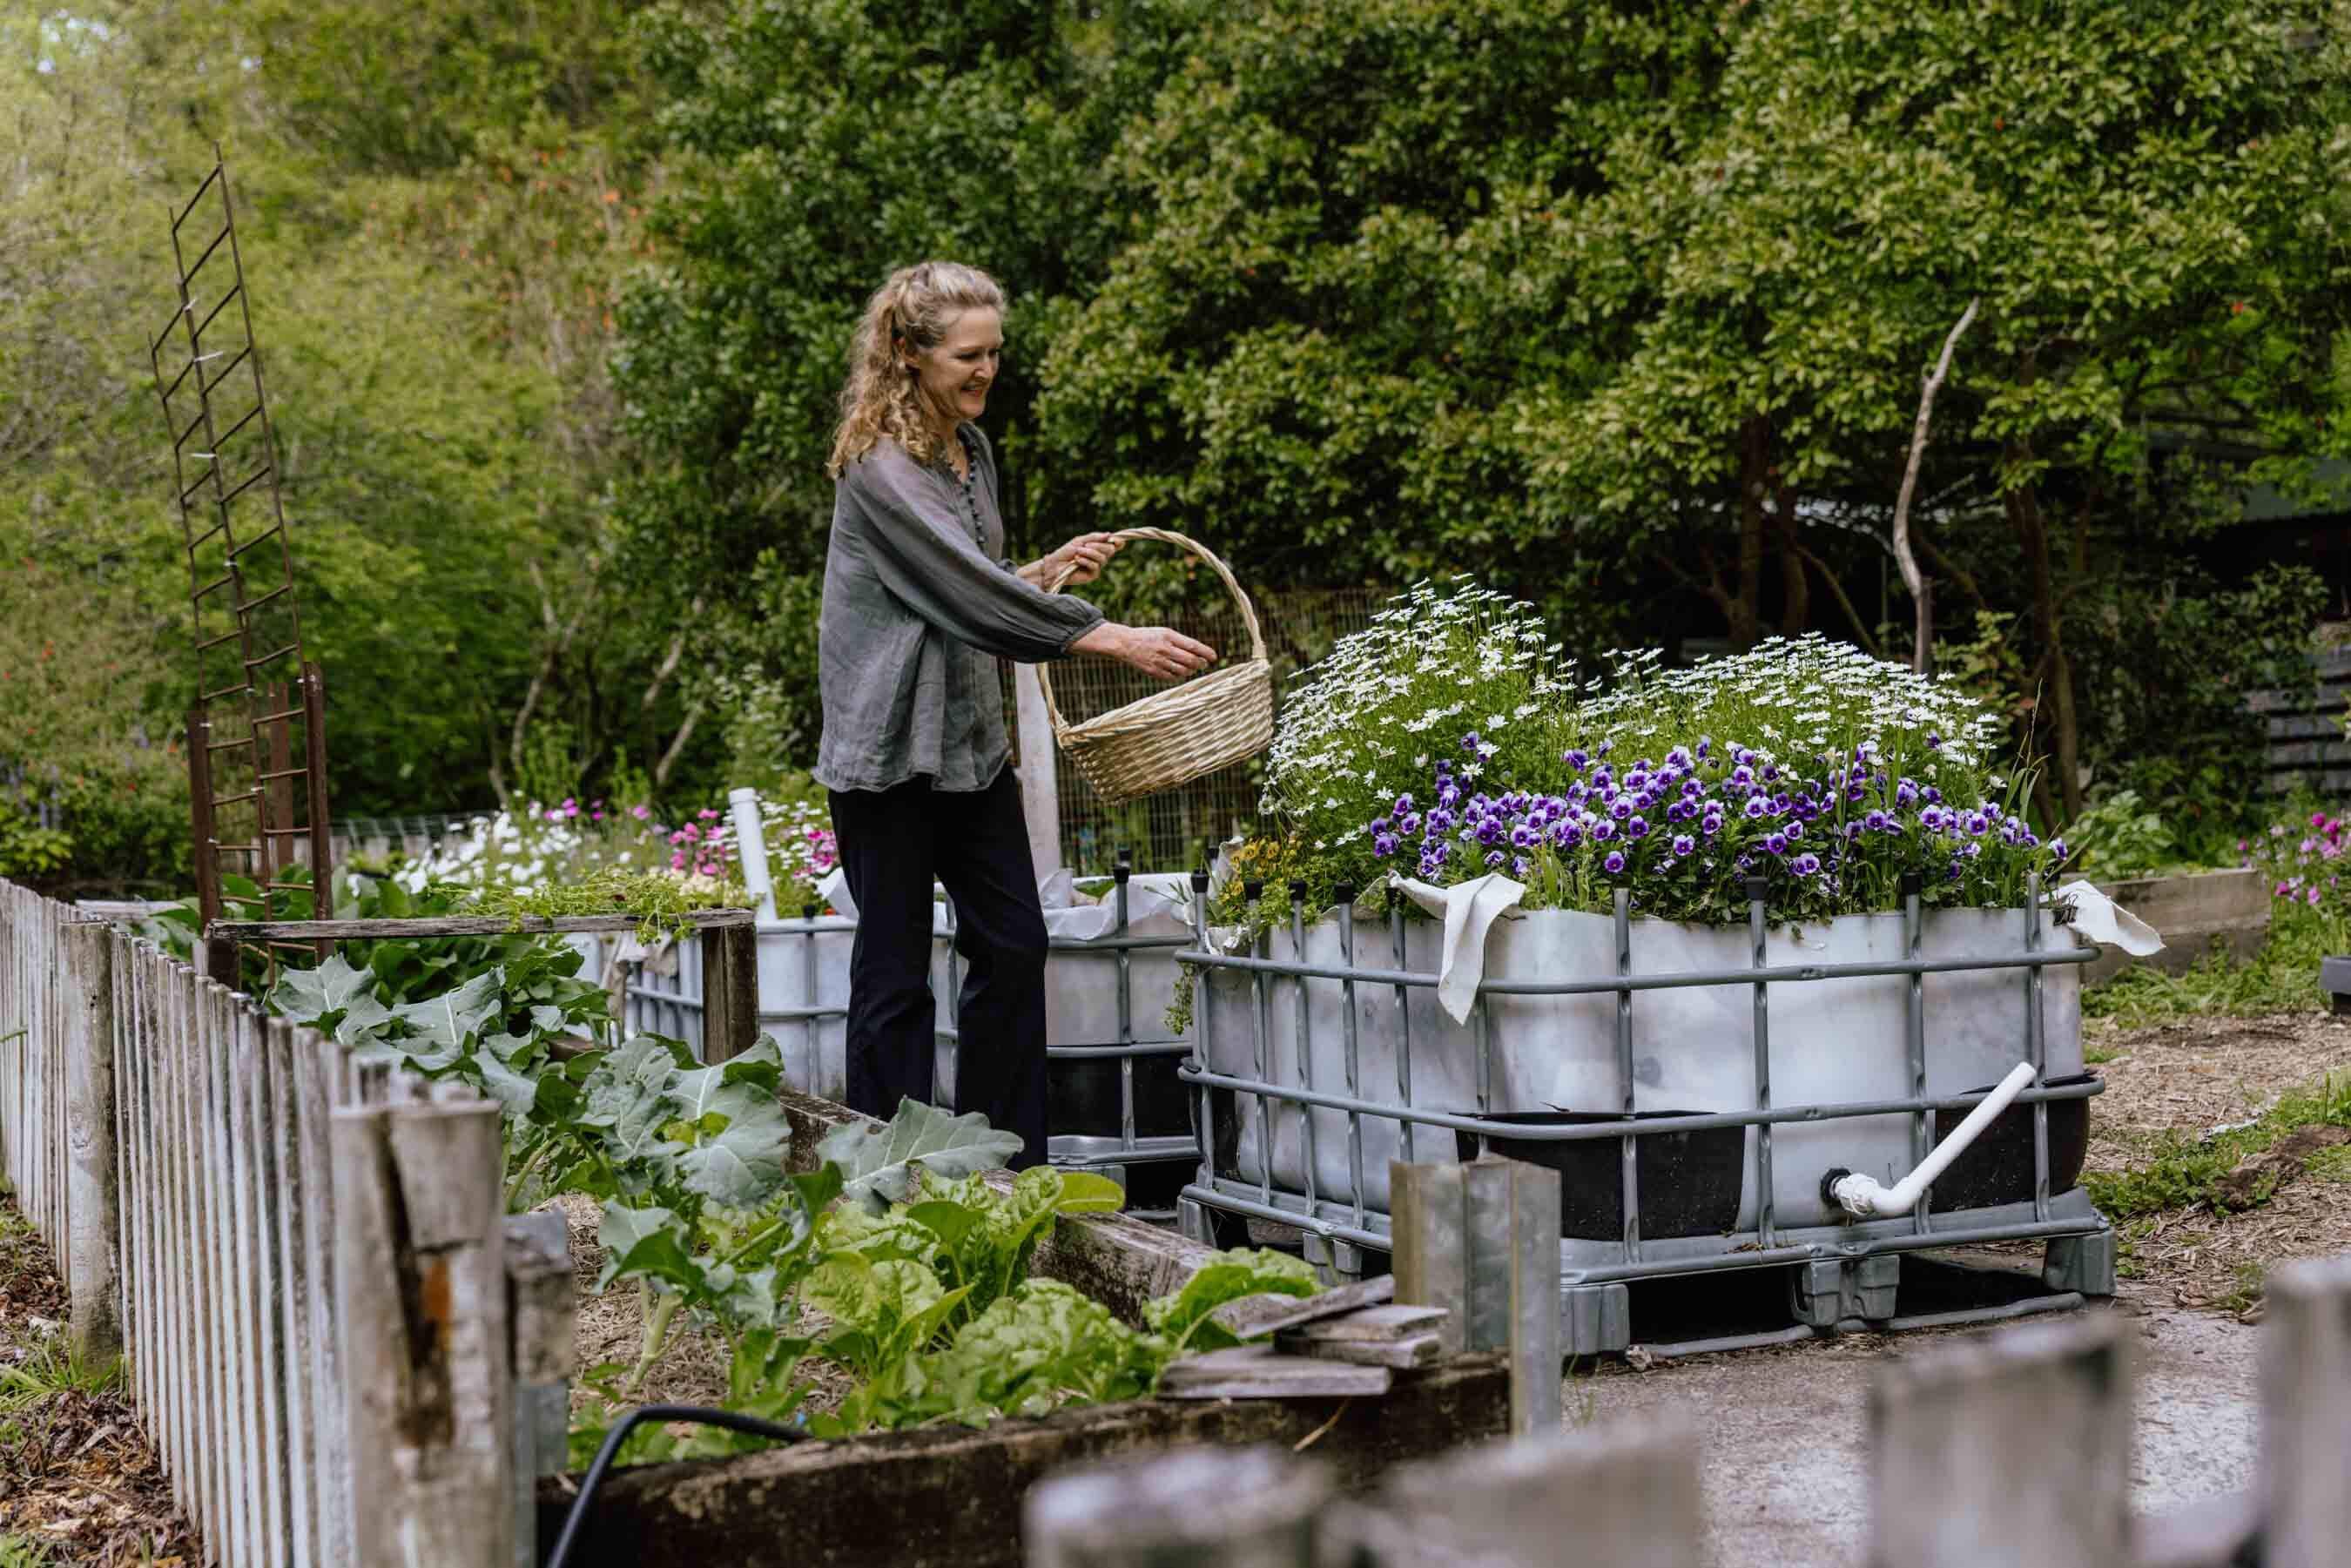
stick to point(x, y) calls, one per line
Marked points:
point(1754, 460)
point(1795, 591)
point(2048, 631)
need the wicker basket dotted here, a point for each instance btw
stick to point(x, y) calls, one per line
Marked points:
point(1157, 742)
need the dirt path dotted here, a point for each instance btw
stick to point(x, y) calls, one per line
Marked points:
point(2189, 1079)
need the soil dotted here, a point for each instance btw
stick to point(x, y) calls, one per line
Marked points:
point(2195, 1076)
point(77, 1475)
point(692, 1370)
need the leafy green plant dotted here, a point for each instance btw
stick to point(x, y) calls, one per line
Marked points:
point(2120, 836)
point(28, 849)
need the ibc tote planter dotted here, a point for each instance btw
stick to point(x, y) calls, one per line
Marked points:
point(1113, 1103)
point(1770, 927)
point(1740, 1093)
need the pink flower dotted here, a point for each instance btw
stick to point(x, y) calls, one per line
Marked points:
point(2312, 898)
point(642, 812)
point(677, 863)
point(706, 870)
point(598, 817)
point(678, 838)
point(706, 813)
point(691, 830)
point(554, 814)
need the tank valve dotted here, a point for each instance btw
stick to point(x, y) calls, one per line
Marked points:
point(1864, 1198)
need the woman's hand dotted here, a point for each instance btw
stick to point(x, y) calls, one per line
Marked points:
point(1158, 651)
point(1084, 557)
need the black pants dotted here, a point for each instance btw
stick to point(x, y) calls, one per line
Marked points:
point(892, 843)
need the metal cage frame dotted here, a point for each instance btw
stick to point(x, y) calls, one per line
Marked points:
point(1839, 1287)
point(1109, 1155)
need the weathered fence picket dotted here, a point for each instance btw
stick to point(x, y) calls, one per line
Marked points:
point(2012, 1447)
point(172, 1145)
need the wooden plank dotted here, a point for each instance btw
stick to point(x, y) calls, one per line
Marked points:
point(265, 1287)
point(1251, 1317)
point(1625, 1496)
point(1388, 1323)
point(2013, 1449)
point(291, 1203)
point(209, 1439)
point(1429, 1226)
point(460, 926)
point(316, 1060)
point(127, 1154)
point(240, 1415)
point(1146, 1511)
point(421, 1298)
point(1414, 1351)
point(2305, 1382)
point(1257, 1371)
point(730, 991)
point(948, 1495)
point(1533, 1306)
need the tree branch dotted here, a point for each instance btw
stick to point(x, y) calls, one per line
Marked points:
point(677, 744)
point(1922, 645)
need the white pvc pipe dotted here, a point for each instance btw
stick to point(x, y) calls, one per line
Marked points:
point(751, 841)
point(1865, 1200)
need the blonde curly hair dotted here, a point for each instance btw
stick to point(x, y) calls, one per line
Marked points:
point(913, 309)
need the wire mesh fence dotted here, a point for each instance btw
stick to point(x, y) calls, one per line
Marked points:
point(1181, 827)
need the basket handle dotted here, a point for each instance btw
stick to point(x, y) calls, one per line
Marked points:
point(1182, 542)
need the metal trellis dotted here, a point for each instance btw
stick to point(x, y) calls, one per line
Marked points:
point(256, 732)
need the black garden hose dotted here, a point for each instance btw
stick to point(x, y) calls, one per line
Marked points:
point(700, 1414)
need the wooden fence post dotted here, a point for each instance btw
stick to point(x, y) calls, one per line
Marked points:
point(2014, 1449)
point(93, 1176)
point(542, 1311)
point(1625, 1496)
point(1192, 1507)
point(730, 991)
point(421, 1296)
point(2306, 1412)
point(1481, 1241)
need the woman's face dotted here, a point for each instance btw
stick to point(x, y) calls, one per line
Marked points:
point(952, 378)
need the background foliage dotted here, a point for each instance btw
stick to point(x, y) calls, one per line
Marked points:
point(1621, 306)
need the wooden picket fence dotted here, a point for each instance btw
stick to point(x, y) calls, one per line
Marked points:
point(304, 1266)
point(2012, 1447)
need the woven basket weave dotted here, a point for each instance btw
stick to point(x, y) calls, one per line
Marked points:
point(1171, 737)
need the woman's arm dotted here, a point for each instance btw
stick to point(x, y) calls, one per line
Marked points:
point(928, 562)
point(924, 558)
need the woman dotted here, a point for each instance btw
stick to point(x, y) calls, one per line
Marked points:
point(919, 605)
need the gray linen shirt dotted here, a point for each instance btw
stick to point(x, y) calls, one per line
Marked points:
point(918, 605)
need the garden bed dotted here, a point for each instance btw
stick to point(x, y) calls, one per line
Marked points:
point(949, 1498)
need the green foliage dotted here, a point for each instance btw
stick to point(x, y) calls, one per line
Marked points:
point(880, 1166)
point(658, 900)
point(2177, 1171)
point(2281, 977)
point(29, 852)
point(1183, 1319)
point(2119, 836)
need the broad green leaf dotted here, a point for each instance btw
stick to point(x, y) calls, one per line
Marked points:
point(319, 997)
point(742, 1166)
point(451, 1020)
point(1183, 1317)
point(879, 1165)
point(1084, 1192)
point(648, 1243)
point(516, 1093)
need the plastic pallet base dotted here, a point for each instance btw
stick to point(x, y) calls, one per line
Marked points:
point(1883, 1293)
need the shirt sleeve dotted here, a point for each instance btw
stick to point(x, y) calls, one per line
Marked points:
point(926, 560)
